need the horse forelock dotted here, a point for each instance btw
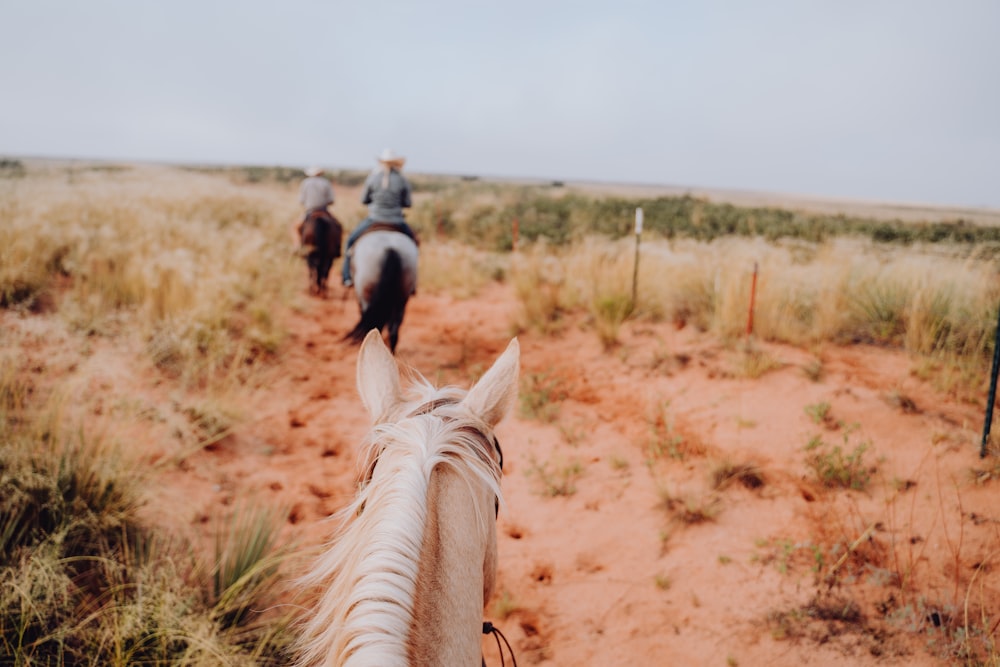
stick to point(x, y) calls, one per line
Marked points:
point(370, 568)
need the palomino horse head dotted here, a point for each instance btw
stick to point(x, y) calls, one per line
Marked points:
point(384, 265)
point(414, 559)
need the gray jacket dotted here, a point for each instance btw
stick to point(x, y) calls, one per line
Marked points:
point(315, 192)
point(386, 197)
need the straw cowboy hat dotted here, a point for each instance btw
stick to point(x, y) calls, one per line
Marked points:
point(314, 171)
point(390, 159)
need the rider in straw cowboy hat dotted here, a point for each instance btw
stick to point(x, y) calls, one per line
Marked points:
point(387, 193)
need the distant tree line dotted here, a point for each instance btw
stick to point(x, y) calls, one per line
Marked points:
point(488, 224)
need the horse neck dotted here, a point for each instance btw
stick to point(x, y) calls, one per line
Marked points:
point(408, 573)
point(456, 573)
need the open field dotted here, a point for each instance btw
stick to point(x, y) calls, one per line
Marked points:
point(677, 493)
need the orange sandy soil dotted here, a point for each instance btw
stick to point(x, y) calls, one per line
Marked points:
point(612, 572)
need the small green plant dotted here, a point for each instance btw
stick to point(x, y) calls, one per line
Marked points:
point(663, 582)
point(690, 510)
point(818, 412)
point(836, 467)
point(573, 434)
point(618, 462)
point(666, 441)
point(610, 311)
point(504, 605)
point(783, 553)
point(557, 480)
point(540, 396)
point(814, 370)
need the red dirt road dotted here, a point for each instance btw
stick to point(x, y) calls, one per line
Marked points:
point(616, 547)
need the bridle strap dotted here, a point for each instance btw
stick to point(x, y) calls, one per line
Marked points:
point(490, 629)
point(431, 406)
point(428, 408)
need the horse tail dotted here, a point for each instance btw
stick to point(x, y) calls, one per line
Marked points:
point(336, 235)
point(387, 301)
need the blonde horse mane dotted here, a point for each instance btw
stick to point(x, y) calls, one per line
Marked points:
point(370, 568)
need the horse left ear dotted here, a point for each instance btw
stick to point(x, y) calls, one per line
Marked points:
point(378, 377)
point(496, 392)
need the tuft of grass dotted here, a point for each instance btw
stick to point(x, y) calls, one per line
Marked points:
point(610, 311)
point(504, 605)
point(83, 580)
point(726, 473)
point(573, 434)
point(618, 462)
point(540, 396)
point(836, 467)
point(666, 441)
point(818, 412)
point(753, 363)
point(538, 281)
point(814, 370)
point(690, 510)
point(555, 479)
point(246, 561)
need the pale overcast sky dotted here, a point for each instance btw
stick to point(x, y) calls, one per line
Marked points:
point(887, 100)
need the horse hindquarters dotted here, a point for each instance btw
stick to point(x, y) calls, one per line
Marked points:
point(386, 303)
point(323, 233)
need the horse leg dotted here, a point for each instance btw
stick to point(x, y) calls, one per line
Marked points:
point(325, 262)
point(312, 260)
point(394, 323)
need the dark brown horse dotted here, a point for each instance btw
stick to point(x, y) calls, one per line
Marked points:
point(320, 236)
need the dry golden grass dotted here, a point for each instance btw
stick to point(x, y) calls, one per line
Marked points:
point(193, 270)
point(447, 267)
point(922, 299)
point(180, 272)
point(194, 264)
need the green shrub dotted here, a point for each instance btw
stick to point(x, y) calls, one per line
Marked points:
point(836, 467)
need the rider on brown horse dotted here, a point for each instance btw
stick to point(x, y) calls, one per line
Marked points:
point(319, 231)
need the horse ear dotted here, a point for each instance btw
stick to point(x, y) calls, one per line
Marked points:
point(493, 396)
point(378, 377)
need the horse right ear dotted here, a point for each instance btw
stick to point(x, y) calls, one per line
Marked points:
point(496, 392)
point(378, 377)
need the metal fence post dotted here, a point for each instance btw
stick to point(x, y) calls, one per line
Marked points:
point(992, 396)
